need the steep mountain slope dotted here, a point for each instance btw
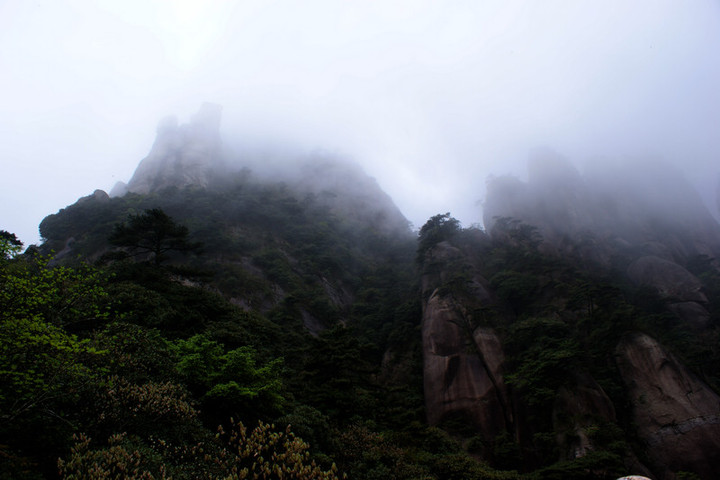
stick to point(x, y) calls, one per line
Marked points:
point(577, 337)
point(555, 329)
point(301, 308)
point(313, 239)
point(182, 155)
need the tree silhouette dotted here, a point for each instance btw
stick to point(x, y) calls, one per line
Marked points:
point(152, 232)
point(9, 244)
point(438, 228)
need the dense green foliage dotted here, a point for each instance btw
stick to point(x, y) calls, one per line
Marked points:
point(438, 228)
point(298, 316)
point(560, 320)
point(10, 245)
point(285, 317)
point(152, 232)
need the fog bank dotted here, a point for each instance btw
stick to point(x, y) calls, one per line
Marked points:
point(429, 98)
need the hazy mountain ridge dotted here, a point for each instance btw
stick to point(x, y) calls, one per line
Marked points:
point(193, 155)
point(643, 219)
point(540, 338)
point(648, 205)
point(259, 229)
point(543, 327)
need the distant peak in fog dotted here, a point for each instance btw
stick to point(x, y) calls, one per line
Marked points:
point(638, 202)
point(181, 155)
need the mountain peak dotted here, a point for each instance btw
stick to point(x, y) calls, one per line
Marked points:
point(182, 154)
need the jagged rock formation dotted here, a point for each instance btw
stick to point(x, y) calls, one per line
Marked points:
point(648, 231)
point(462, 363)
point(668, 278)
point(191, 155)
point(182, 155)
point(677, 415)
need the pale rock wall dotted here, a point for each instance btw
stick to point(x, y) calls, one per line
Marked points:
point(676, 284)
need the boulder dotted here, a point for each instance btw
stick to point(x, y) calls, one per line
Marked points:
point(676, 414)
point(97, 196)
point(119, 189)
point(668, 278)
point(462, 369)
point(692, 314)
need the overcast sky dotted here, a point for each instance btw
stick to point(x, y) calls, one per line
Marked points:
point(429, 96)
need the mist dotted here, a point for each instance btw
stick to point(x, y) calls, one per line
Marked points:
point(428, 98)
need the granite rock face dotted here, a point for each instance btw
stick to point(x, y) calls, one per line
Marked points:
point(458, 380)
point(462, 364)
point(668, 278)
point(182, 155)
point(677, 415)
point(644, 228)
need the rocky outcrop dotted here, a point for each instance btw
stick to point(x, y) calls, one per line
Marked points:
point(668, 278)
point(692, 314)
point(182, 155)
point(97, 196)
point(461, 369)
point(643, 218)
point(462, 362)
point(677, 415)
point(191, 155)
point(646, 224)
point(119, 189)
point(58, 235)
point(680, 288)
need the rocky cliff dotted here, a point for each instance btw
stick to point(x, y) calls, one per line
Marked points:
point(677, 415)
point(643, 218)
point(533, 330)
point(462, 362)
point(192, 155)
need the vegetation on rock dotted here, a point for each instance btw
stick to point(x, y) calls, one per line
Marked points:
point(298, 316)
